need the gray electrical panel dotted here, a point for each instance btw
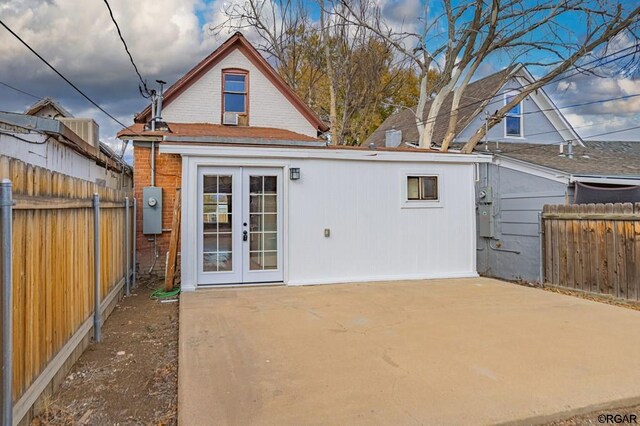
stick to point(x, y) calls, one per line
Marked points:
point(152, 210)
point(485, 220)
point(485, 212)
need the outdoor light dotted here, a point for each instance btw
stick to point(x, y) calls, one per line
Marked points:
point(294, 173)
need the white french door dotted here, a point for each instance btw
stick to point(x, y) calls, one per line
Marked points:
point(239, 225)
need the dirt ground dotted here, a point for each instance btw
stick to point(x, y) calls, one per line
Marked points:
point(131, 377)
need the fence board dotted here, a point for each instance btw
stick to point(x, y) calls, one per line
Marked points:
point(593, 247)
point(53, 261)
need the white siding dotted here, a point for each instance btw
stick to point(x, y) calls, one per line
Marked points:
point(54, 156)
point(536, 126)
point(372, 237)
point(360, 201)
point(201, 102)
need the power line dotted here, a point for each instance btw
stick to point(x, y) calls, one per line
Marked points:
point(61, 76)
point(614, 132)
point(143, 83)
point(563, 77)
point(534, 146)
point(21, 91)
point(575, 127)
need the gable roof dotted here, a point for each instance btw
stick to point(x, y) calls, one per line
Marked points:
point(596, 158)
point(42, 103)
point(474, 99)
point(237, 41)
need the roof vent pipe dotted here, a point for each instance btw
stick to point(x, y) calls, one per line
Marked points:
point(570, 150)
point(159, 107)
point(153, 112)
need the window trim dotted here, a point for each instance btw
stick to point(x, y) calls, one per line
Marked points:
point(404, 181)
point(521, 116)
point(234, 71)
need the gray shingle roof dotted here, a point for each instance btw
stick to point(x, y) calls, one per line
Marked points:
point(598, 158)
point(474, 99)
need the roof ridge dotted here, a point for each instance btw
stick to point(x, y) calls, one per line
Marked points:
point(253, 56)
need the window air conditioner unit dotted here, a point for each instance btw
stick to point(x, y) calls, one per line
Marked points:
point(230, 118)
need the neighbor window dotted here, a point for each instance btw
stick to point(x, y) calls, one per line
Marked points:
point(513, 119)
point(422, 188)
point(234, 91)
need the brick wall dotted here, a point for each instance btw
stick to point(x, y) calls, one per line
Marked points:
point(168, 177)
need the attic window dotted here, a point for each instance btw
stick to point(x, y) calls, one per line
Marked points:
point(513, 119)
point(235, 91)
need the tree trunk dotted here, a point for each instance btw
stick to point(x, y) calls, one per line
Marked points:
point(434, 111)
point(455, 104)
point(453, 119)
point(333, 110)
point(422, 101)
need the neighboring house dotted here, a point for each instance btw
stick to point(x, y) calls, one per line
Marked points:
point(527, 168)
point(51, 144)
point(48, 108)
point(264, 200)
point(535, 120)
point(524, 177)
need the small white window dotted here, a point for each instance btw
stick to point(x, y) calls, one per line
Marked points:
point(422, 188)
point(513, 119)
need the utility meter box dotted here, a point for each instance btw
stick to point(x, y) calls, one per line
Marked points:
point(485, 220)
point(152, 210)
point(485, 195)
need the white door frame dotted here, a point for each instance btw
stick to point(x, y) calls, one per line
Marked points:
point(235, 274)
point(189, 185)
point(265, 276)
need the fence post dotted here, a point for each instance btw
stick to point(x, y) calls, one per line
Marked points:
point(97, 315)
point(127, 244)
point(6, 330)
point(541, 249)
point(135, 220)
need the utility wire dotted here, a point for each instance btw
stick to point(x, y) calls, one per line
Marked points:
point(63, 77)
point(563, 77)
point(539, 145)
point(613, 132)
point(21, 91)
point(144, 91)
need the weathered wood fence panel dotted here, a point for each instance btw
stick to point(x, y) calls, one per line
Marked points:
point(593, 248)
point(53, 261)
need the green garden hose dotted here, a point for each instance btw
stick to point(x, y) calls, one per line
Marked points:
point(161, 294)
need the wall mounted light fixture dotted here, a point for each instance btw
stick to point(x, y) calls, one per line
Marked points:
point(294, 173)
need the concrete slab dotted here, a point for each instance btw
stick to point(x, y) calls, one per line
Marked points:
point(469, 351)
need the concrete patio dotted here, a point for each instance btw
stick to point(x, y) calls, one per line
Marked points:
point(466, 351)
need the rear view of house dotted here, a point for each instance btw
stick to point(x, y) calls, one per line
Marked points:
point(265, 200)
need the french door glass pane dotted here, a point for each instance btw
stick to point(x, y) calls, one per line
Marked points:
point(263, 219)
point(217, 239)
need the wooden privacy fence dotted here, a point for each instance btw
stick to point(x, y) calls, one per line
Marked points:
point(593, 247)
point(53, 265)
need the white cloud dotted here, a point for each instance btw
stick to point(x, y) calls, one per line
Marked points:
point(165, 38)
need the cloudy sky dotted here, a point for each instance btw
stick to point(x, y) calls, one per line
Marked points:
point(167, 37)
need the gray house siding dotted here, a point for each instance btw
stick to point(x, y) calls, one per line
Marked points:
point(536, 126)
point(518, 197)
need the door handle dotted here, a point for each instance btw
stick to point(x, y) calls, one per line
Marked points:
point(245, 236)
